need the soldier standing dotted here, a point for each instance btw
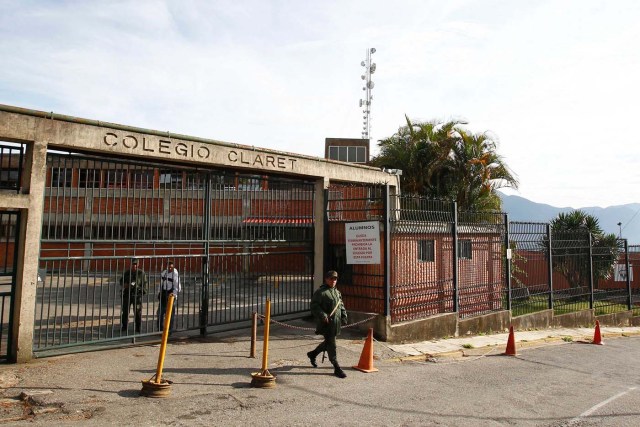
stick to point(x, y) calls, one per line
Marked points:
point(330, 314)
point(134, 286)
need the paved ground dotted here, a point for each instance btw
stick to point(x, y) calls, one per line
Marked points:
point(211, 378)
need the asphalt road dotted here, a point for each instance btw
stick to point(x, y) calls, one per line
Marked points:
point(566, 384)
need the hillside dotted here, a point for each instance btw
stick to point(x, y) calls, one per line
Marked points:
point(521, 209)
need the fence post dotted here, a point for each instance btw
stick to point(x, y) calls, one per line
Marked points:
point(454, 233)
point(591, 302)
point(206, 226)
point(326, 233)
point(550, 260)
point(628, 267)
point(387, 247)
point(508, 256)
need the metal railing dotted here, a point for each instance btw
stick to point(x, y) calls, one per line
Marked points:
point(568, 271)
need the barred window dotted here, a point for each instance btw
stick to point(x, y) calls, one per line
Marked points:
point(464, 249)
point(426, 250)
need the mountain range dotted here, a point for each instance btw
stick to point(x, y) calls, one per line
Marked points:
point(521, 209)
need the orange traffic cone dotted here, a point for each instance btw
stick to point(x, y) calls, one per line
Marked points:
point(597, 338)
point(366, 358)
point(511, 343)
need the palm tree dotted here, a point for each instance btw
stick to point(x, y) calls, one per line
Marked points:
point(443, 160)
point(479, 172)
point(574, 235)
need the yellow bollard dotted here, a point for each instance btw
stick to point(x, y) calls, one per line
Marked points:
point(264, 379)
point(155, 387)
point(165, 337)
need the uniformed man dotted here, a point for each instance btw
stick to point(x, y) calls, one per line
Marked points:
point(134, 286)
point(330, 314)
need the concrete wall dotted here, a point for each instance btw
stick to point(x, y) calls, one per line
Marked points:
point(540, 320)
point(434, 327)
point(448, 325)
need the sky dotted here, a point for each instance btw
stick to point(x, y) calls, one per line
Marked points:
point(555, 82)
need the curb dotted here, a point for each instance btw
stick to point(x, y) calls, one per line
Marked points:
point(526, 344)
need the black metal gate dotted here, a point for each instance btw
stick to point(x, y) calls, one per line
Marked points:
point(9, 229)
point(235, 239)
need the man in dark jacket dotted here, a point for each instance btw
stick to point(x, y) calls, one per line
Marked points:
point(134, 286)
point(329, 312)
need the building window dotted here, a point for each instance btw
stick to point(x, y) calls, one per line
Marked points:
point(249, 183)
point(464, 249)
point(61, 177)
point(348, 154)
point(115, 178)
point(9, 179)
point(142, 179)
point(195, 180)
point(89, 178)
point(426, 251)
point(170, 179)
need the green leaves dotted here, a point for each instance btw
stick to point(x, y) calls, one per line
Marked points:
point(575, 235)
point(443, 160)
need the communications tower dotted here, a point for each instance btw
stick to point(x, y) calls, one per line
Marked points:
point(365, 103)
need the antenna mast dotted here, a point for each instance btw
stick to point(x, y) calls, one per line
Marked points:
point(365, 103)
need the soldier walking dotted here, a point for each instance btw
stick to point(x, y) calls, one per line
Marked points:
point(330, 314)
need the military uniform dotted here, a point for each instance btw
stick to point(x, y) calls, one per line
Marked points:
point(134, 286)
point(330, 314)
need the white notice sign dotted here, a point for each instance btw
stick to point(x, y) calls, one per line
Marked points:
point(363, 242)
point(620, 273)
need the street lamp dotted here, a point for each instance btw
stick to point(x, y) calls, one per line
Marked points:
point(620, 232)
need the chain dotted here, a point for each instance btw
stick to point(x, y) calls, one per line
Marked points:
point(286, 325)
point(351, 325)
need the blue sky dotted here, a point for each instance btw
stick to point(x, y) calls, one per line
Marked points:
point(555, 81)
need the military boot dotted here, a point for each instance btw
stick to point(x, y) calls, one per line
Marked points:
point(312, 358)
point(337, 370)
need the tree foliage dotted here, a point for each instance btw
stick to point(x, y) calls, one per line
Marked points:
point(444, 160)
point(574, 236)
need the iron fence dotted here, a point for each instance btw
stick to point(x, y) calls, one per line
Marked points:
point(610, 288)
point(580, 273)
point(634, 266)
point(422, 265)
point(481, 263)
point(442, 261)
point(530, 268)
